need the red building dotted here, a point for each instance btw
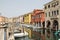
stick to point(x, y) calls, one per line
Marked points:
point(38, 17)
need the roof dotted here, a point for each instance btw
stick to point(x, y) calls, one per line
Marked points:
point(49, 2)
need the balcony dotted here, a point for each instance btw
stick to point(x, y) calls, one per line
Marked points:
point(54, 17)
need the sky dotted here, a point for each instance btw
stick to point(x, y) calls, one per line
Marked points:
point(14, 8)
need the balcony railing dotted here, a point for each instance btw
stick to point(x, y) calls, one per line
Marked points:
point(54, 17)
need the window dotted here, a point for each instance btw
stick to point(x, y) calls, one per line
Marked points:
point(55, 4)
point(33, 17)
point(57, 12)
point(54, 12)
point(48, 6)
point(49, 14)
point(38, 16)
point(52, 4)
point(46, 14)
point(45, 7)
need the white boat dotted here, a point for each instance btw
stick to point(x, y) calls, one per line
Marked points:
point(18, 34)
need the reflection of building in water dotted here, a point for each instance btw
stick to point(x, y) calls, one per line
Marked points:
point(10, 29)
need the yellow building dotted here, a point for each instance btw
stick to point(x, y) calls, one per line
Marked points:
point(27, 18)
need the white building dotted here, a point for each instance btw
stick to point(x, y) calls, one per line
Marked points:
point(52, 18)
point(21, 19)
point(52, 11)
point(4, 29)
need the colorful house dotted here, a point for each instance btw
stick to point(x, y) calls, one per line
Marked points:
point(38, 17)
point(27, 18)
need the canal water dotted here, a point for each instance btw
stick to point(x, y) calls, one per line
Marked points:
point(23, 38)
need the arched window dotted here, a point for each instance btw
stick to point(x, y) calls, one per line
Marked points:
point(55, 24)
point(43, 24)
point(48, 23)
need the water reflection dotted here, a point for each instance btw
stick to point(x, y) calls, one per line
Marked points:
point(23, 38)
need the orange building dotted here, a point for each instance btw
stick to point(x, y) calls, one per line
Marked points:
point(38, 17)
